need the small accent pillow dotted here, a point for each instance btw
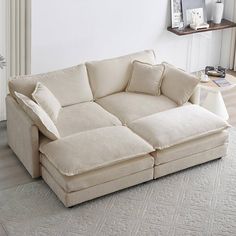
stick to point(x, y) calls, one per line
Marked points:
point(39, 116)
point(177, 84)
point(146, 78)
point(45, 98)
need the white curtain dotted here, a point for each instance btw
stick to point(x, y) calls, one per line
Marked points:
point(20, 37)
point(232, 59)
point(15, 43)
point(3, 52)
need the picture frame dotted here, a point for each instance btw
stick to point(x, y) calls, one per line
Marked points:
point(190, 7)
point(176, 13)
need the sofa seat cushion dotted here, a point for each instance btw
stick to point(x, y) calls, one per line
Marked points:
point(190, 148)
point(70, 86)
point(132, 106)
point(100, 176)
point(176, 126)
point(94, 149)
point(112, 75)
point(82, 117)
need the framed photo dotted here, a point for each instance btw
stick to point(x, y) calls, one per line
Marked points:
point(194, 10)
point(176, 13)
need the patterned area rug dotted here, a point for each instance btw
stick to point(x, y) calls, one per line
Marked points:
point(198, 201)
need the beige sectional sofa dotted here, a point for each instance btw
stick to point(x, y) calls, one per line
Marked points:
point(109, 135)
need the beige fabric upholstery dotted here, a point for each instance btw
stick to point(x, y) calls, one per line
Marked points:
point(146, 78)
point(43, 140)
point(82, 117)
point(195, 159)
point(196, 96)
point(178, 85)
point(94, 149)
point(23, 137)
point(44, 97)
point(95, 154)
point(132, 106)
point(73, 80)
point(92, 178)
point(112, 75)
point(190, 148)
point(73, 198)
point(179, 125)
point(39, 116)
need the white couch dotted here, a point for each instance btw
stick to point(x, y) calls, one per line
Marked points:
point(111, 138)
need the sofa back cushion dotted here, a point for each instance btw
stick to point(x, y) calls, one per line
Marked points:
point(44, 97)
point(177, 84)
point(112, 75)
point(70, 86)
point(146, 78)
point(38, 116)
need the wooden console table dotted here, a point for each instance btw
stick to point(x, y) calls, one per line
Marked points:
point(225, 24)
point(187, 31)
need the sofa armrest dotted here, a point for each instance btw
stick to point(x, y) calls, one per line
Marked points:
point(23, 137)
point(195, 98)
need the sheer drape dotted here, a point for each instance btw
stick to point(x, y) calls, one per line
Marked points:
point(3, 52)
point(15, 43)
point(233, 44)
point(20, 37)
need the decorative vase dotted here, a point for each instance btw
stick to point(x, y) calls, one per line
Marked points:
point(218, 12)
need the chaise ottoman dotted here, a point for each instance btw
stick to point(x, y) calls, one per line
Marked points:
point(183, 137)
point(93, 163)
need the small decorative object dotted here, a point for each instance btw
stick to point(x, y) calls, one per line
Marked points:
point(215, 71)
point(2, 62)
point(205, 78)
point(196, 19)
point(194, 13)
point(218, 10)
point(176, 13)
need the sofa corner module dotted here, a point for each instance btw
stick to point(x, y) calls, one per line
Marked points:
point(27, 146)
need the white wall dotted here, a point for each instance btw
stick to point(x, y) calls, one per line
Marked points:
point(68, 32)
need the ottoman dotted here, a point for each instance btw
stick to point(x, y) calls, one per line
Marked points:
point(183, 137)
point(94, 163)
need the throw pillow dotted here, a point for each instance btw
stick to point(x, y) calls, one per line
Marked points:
point(39, 116)
point(177, 84)
point(146, 78)
point(45, 98)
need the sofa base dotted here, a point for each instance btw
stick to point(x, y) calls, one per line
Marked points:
point(193, 160)
point(73, 198)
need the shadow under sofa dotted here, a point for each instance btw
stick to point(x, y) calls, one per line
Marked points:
point(111, 139)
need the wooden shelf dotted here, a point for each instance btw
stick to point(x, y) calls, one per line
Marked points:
point(225, 24)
